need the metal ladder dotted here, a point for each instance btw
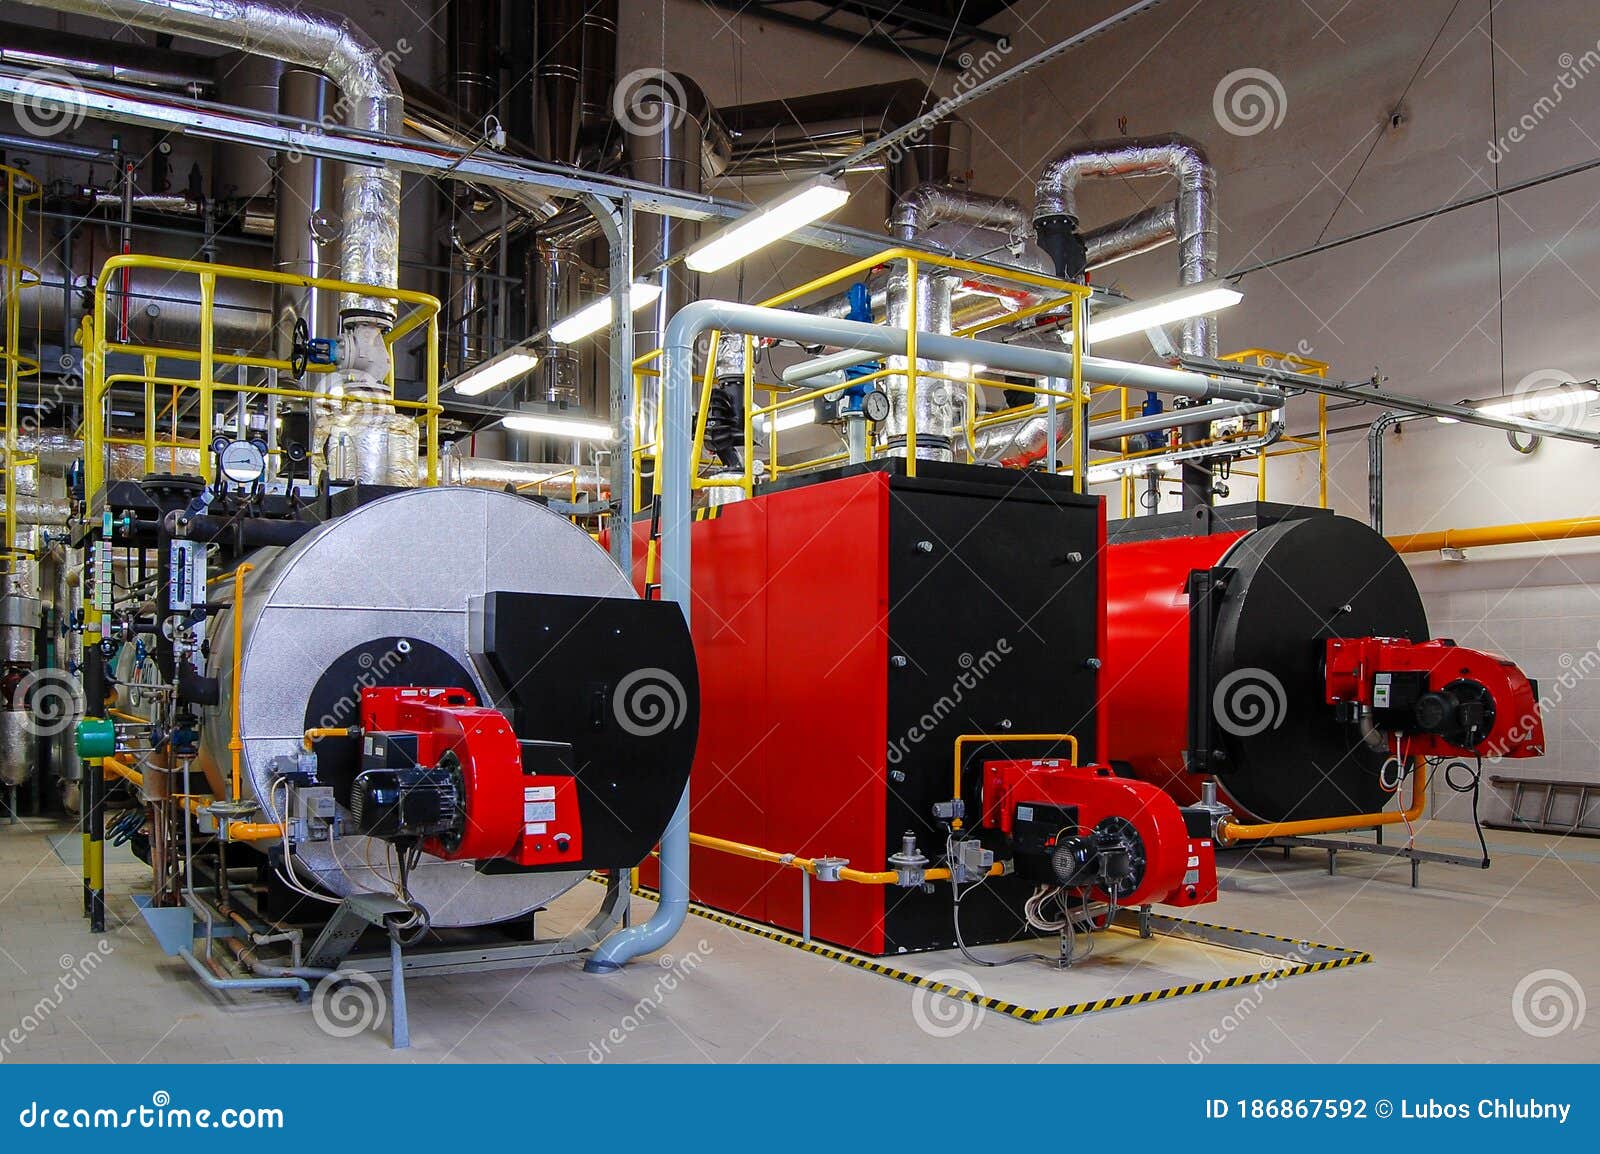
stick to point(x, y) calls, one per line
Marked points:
point(1548, 793)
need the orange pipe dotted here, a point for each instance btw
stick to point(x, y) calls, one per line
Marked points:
point(235, 742)
point(1522, 533)
point(237, 830)
point(1232, 831)
point(809, 865)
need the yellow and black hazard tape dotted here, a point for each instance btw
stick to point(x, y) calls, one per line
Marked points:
point(1028, 1013)
point(709, 513)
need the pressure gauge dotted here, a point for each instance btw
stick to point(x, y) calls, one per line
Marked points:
point(242, 462)
point(875, 404)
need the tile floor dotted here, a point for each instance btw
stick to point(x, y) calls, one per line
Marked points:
point(1448, 958)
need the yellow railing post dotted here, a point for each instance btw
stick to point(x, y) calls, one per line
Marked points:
point(208, 296)
point(1080, 450)
point(150, 414)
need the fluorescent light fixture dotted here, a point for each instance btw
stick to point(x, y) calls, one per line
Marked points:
point(494, 372)
point(1194, 301)
point(789, 419)
point(554, 426)
point(769, 222)
point(1571, 397)
point(1115, 471)
point(593, 317)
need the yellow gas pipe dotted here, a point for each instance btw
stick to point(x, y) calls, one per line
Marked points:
point(809, 865)
point(236, 831)
point(1232, 831)
point(235, 742)
point(1521, 533)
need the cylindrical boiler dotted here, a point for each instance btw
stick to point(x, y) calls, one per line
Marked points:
point(381, 596)
point(1288, 581)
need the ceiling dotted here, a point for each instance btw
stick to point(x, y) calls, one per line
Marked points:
point(934, 32)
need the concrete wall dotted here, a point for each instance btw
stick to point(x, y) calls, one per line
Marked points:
point(1387, 110)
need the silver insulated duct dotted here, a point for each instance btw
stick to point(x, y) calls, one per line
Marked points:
point(941, 405)
point(369, 201)
point(1191, 219)
point(1172, 156)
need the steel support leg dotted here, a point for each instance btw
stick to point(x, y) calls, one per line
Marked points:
point(399, 1024)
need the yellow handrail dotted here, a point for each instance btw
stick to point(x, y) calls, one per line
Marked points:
point(1060, 296)
point(417, 311)
point(22, 190)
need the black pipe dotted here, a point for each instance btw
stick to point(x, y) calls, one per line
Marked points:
point(243, 533)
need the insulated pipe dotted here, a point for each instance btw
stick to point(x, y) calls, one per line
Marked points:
point(333, 45)
point(929, 205)
point(1195, 224)
point(1096, 370)
point(1144, 231)
point(940, 404)
point(1195, 218)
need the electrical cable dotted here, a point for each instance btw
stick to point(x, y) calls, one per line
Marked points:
point(1473, 785)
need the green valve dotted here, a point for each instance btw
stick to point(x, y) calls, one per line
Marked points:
point(97, 738)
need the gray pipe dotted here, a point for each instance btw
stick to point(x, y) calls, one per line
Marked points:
point(299, 985)
point(333, 45)
point(928, 205)
point(1375, 434)
point(941, 405)
point(1144, 231)
point(488, 472)
point(1107, 435)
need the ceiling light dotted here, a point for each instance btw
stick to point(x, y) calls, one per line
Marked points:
point(597, 315)
point(1116, 470)
point(1194, 301)
point(789, 418)
point(494, 372)
point(1568, 398)
point(767, 223)
point(550, 425)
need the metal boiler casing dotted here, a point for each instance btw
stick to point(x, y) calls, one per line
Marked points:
point(1296, 577)
point(332, 609)
point(847, 630)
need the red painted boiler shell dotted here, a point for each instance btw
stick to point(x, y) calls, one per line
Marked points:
point(1146, 680)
